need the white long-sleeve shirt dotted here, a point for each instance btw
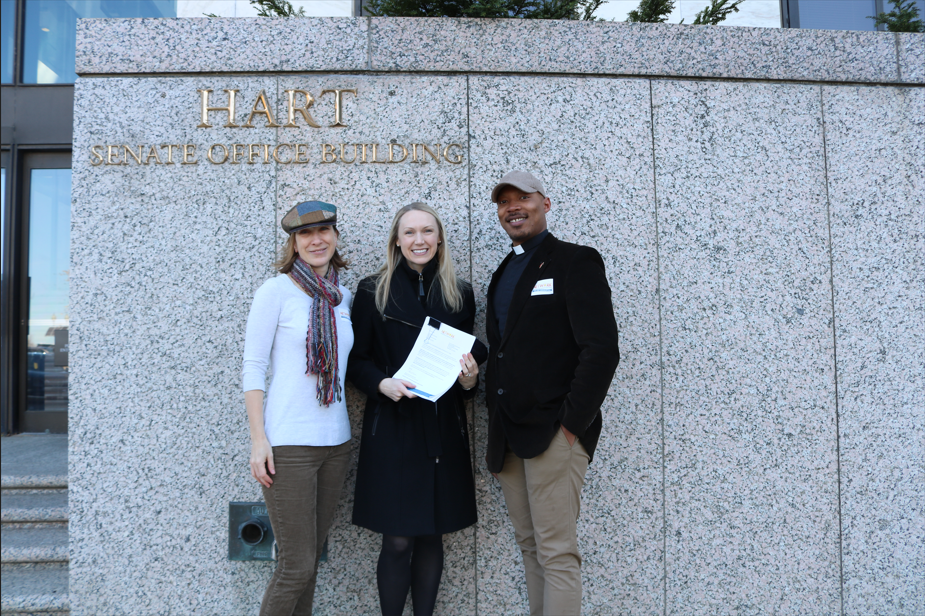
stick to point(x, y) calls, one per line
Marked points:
point(276, 330)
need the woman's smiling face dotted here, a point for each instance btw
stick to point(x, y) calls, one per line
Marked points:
point(316, 246)
point(418, 238)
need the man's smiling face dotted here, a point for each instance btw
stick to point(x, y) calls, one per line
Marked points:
point(522, 215)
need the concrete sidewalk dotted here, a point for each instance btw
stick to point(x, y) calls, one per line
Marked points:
point(26, 455)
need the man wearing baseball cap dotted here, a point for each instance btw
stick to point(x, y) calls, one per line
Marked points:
point(554, 351)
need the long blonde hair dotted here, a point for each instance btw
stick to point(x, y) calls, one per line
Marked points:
point(450, 285)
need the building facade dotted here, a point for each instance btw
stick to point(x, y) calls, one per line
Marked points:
point(756, 195)
point(38, 51)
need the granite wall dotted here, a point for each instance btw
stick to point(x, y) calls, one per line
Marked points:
point(759, 199)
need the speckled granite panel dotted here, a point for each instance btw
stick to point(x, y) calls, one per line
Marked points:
point(750, 444)
point(166, 259)
point(911, 56)
point(220, 45)
point(545, 46)
point(398, 111)
point(875, 139)
point(590, 142)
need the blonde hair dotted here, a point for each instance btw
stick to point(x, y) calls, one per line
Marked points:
point(288, 253)
point(450, 285)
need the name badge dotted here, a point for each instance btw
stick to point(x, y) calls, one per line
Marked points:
point(543, 287)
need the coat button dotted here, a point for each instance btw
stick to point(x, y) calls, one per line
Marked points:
point(500, 391)
point(500, 355)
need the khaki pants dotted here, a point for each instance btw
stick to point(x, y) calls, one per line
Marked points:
point(543, 496)
point(301, 504)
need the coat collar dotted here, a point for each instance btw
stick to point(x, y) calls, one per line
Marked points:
point(535, 268)
point(404, 305)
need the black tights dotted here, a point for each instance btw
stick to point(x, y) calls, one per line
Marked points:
point(409, 561)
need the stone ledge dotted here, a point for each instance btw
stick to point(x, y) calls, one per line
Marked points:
point(220, 45)
point(911, 57)
point(45, 514)
point(26, 482)
point(616, 48)
point(38, 554)
point(135, 46)
point(34, 545)
point(21, 605)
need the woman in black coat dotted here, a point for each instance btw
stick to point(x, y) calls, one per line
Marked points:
point(414, 479)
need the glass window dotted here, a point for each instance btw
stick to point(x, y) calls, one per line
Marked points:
point(49, 271)
point(51, 26)
point(840, 14)
point(828, 15)
point(8, 31)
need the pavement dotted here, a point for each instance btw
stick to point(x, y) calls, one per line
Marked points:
point(34, 454)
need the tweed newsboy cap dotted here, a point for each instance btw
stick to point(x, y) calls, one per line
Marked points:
point(309, 214)
point(521, 180)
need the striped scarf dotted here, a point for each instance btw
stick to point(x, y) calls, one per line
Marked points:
point(321, 340)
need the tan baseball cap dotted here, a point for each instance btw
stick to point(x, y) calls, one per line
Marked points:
point(521, 180)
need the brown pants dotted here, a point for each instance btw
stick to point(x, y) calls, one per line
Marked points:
point(301, 504)
point(543, 496)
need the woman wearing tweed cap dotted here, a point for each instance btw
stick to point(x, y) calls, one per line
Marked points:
point(300, 324)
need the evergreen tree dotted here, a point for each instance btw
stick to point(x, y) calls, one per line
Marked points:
point(903, 17)
point(273, 8)
point(717, 11)
point(277, 8)
point(658, 11)
point(527, 9)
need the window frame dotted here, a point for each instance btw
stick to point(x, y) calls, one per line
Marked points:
point(787, 20)
point(32, 421)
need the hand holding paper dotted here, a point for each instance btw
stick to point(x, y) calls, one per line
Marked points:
point(433, 364)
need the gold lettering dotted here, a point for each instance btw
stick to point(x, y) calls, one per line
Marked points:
point(261, 98)
point(113, 149)
point(343, 159)
point(327, 150)
point(299, 153)
point(189, 153)
point(276, 153)
point(97, 156)
point(206, 109)
point(363, 160)
point(129, 150)
point(224, 154)
point(170, 148)
point(375, 155)
point(252, 151)
point(266, 153)
point(426, 149)
point(234, 152)
point(152, 153)
point(403, 149)
point(414, 152)
point(309, 101)
point(337, 105)
point(459, 157)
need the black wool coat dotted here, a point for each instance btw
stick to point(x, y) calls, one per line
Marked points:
point(414, 475)
point(553, 364)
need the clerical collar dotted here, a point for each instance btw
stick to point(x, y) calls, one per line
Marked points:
point(530, 244)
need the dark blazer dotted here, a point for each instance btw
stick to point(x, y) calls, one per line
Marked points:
point(555, 360)
point(401, 488)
